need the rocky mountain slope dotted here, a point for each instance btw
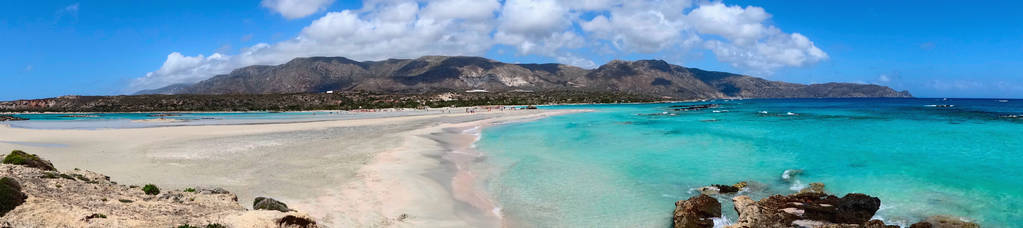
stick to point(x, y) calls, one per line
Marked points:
point(432, 74)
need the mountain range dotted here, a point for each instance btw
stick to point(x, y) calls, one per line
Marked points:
point(433, 74)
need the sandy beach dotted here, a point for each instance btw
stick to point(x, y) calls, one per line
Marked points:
point(397, 171)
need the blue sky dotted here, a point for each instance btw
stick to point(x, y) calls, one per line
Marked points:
point(932, 48)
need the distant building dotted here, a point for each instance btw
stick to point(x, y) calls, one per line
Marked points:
point(330, 91)
point(476, 91)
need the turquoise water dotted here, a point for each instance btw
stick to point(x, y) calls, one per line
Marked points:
point(618, 167)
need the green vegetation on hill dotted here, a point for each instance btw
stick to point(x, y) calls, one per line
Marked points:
point(309, 101)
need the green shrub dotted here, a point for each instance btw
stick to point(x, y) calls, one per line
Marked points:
point(49, 175)
point(80, 177)
point(17, 157)
point(21, 158)
point(151, 189)
point(189, 190)
point(10, 195)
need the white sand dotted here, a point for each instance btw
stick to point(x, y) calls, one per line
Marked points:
point(362, 172)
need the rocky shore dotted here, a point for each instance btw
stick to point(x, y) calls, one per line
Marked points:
point(33, 193)
point(811, 207)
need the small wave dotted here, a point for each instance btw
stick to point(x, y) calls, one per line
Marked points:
point(790, 174)
point(796, 186)
point(721, 222)
point(473, 129)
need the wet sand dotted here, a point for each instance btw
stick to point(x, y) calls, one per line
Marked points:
point(406, 171)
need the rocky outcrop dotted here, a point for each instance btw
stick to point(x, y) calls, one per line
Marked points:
point(21, 158)
point(805, 208)
point(266, 203)
point(811, 207)
point(942, 221)
point(79, 198)
point(696, 212)
point(722, 189)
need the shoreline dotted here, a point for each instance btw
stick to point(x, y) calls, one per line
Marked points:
point(466, 184)
point(376, 171)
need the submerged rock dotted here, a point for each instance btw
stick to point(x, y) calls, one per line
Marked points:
point(21, 158)
point(266, 203)
point(10, 195)
point(722, 189)
point(696, 212)
point(942, 221)
point(808, 209)
point(815, 187)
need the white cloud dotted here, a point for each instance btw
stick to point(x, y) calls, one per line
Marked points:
point(73, 8)
point(292, 9)
point(750, 44)
point(883, 78)
point(740, 36)
point(69, 10)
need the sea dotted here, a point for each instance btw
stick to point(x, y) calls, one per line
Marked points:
point(625, 165)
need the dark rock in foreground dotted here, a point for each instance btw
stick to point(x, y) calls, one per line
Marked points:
point(266, 203)
point(808, 209)
point(21, 158)
point(696, 212)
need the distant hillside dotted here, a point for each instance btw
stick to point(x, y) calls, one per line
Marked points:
point(435, 74)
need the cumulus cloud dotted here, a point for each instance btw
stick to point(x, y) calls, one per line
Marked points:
point(293, 9)
point(561, 30)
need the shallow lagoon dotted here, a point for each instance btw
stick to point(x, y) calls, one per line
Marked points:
point(626, 165)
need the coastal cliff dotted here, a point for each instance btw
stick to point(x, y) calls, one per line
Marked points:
point(432, 74)
point(35, 194)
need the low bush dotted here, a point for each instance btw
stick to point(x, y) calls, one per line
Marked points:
point(151, 189)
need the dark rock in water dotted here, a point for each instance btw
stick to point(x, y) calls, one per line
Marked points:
point(696, 212)
point(942, 221)
point(726, 188)
point(816, 187)
point(693, 107)
point(10, 195)
point(805, 208)
point(292, 221)
point(18, 157)
point(856, 208)
point(265, 203)
point(10, 118)
point(878, 224)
